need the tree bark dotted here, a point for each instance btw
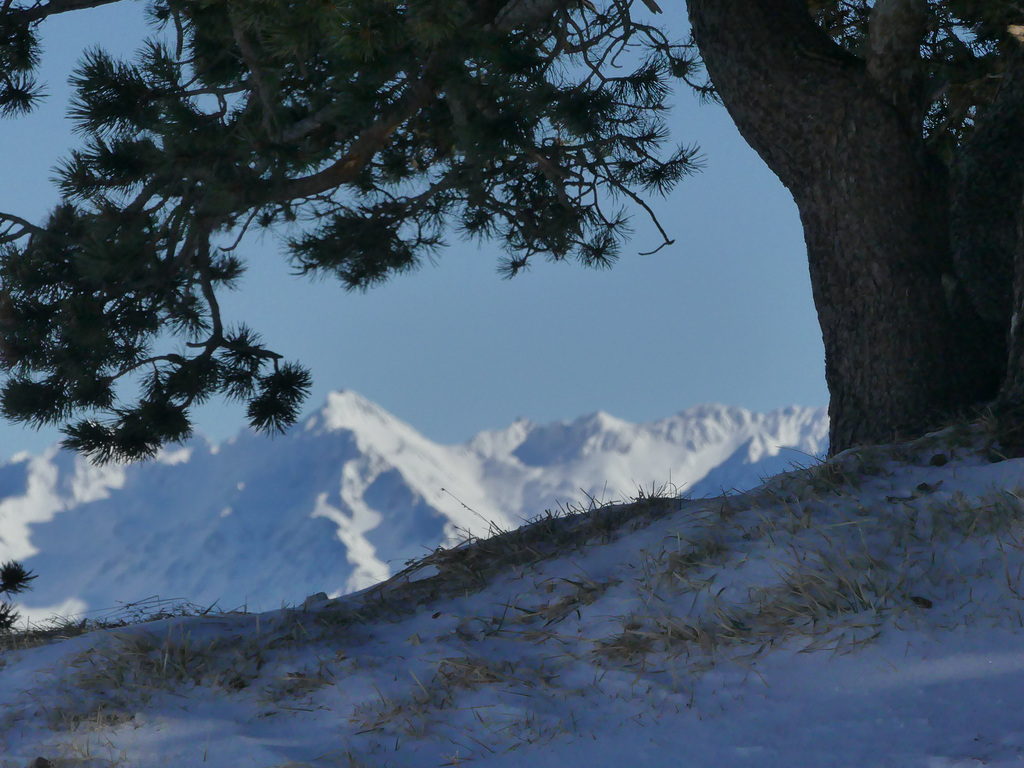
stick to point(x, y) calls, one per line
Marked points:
point(989, 218)
point(874, 206)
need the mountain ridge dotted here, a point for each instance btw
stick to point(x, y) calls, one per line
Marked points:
point(347, 497)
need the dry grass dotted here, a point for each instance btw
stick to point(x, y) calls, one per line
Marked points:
point(298, 683)
point(835, 589)
point(991, 514)
point(432, 707)
point(61, 628)
point(109, 683)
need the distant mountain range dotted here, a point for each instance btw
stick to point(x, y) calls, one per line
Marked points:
point(347, 497)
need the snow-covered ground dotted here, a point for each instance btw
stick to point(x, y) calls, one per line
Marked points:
point(864, 612)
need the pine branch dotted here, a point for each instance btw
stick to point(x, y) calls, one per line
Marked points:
point(362, 150)
point(494, 137)
point(519, 13)
point(27, 228)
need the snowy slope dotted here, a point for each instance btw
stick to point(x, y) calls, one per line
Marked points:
point(346, 498)
point(865, 613)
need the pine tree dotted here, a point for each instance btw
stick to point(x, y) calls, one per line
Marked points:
point(905, 167)
point(14, 579)
point(374, 130)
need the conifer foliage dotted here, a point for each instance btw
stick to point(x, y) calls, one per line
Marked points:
point(370, 131)
point(14, 579)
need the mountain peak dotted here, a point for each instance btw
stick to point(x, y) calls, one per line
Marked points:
point(348, 410)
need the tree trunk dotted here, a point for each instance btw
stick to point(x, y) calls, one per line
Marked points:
point(988, 218)
point(874, 204)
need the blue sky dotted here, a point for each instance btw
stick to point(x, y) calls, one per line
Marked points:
point(724, 315)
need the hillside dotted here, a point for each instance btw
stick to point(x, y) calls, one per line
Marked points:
point(346, 498)
point(862, 612)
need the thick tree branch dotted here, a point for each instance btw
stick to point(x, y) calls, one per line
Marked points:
point(896, 30)
point(40, 11)
point(252, 61)
point(986, 209)
point(761, 54)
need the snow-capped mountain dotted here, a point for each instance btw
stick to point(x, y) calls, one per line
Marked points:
point(347, 497)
